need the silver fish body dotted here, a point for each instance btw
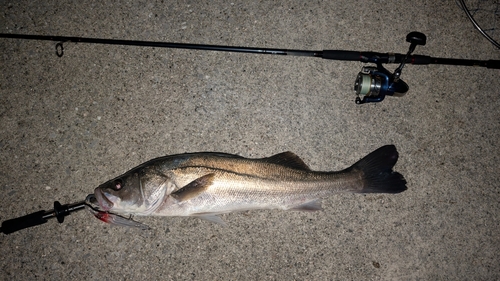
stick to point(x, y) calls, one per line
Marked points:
point(207, 184)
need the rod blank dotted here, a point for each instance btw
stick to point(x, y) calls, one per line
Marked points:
point(326, 54)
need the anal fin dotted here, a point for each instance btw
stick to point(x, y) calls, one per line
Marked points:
point(310, 206)
point(212, 218)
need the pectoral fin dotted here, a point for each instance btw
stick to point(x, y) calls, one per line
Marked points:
point(194, 188)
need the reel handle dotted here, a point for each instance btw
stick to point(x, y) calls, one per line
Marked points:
point(416, 38)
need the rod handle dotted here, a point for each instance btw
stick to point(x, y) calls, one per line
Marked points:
point(494, 64)
point(23, 222)
point(419, 59)
point(374, 57)
point(341, 55)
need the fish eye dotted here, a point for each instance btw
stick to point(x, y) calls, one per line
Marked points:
point(118, 184)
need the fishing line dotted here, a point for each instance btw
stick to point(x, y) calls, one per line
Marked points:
point(484, 15)
point(372, 84)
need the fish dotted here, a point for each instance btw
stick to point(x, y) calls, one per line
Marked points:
point(208, 184)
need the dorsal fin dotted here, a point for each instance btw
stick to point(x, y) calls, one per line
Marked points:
point(288, 159)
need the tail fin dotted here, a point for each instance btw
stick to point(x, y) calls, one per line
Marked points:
point(377, 171)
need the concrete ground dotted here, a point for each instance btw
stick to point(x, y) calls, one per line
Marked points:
point(71, 123)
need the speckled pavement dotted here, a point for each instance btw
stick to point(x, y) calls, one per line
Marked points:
point(71, 123)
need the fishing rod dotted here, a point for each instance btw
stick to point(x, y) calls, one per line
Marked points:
point(372, 84)
point(41, 217)
point(61, 211)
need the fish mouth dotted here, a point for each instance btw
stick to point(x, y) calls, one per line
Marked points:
point(102, 200)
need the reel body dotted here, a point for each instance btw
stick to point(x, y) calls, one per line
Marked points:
point(374, 83)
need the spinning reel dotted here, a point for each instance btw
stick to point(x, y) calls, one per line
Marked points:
point(374, 83)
